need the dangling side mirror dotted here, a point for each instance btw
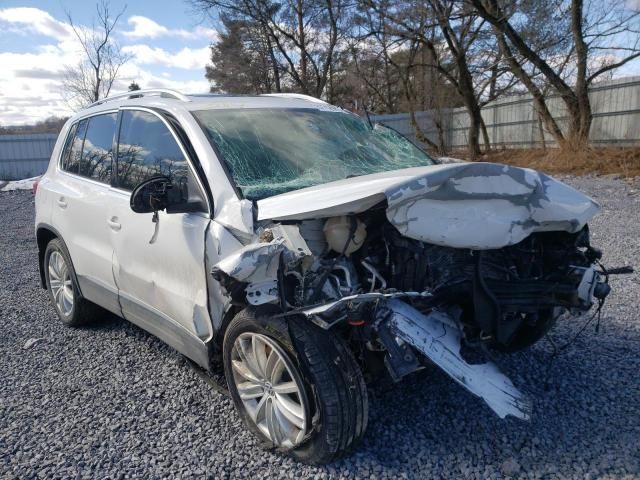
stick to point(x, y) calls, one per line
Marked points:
point(162, 193)
point(153, 195)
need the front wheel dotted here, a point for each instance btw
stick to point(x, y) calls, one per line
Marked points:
point(296, 387)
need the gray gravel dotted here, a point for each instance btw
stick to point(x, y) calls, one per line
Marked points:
point(110, 401)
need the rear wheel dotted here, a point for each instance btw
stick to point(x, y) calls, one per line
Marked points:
point(72, 308)
point(296, 387)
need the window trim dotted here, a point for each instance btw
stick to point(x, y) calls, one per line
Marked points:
point(187, 157)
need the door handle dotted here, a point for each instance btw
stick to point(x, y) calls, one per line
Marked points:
point(113, 224)
point(62, 203)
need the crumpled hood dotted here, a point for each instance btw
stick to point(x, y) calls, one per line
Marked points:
point(462, 205)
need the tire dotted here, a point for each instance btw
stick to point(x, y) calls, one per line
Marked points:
point(330, 388)
point(72, 308)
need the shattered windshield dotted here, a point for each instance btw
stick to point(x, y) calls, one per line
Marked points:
point(273, 151)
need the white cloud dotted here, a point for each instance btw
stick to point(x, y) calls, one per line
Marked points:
point(31, 83)
point(187, 58)
point(144, 27)
point(31, 86)
point(148, 80)
point(34, 20)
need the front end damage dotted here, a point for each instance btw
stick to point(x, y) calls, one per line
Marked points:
point(441, 268)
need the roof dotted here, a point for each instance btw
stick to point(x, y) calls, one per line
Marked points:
point(163, 97)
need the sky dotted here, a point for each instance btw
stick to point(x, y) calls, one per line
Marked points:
point(167, 40)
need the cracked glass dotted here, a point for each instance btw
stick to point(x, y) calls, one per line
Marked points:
point(273, 151)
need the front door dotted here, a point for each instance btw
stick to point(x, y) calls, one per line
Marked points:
point(159, 267)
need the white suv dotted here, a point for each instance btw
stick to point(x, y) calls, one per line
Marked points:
point(309, 250)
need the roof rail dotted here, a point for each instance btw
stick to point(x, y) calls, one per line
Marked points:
point(162, 92)
point(301, 96)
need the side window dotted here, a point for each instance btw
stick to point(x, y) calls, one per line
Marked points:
point(147, 148)
point(72, 163)
point(67, 146)
point(96, 157)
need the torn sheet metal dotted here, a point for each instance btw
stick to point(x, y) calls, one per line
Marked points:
point(258, 261)
point(485, 206)
point(440, 342)
point(265, 291)
point(219, 243)
point(461, 205)
point(257, 264)
point(237, 216)
point(252, 263)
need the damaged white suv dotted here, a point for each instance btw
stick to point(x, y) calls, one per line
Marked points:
point(308, 250)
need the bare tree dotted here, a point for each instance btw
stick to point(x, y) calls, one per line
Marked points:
point(94, 75)
point(602, 36)
point(243, 60)
point(304, 36)
point(371, 53)
point(459, 46)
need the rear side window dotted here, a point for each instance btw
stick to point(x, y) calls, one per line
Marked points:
point(147, 148)
point(72, 161)
point(96, 159)
point(67, 146)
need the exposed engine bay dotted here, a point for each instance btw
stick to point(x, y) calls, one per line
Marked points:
point(360, 271)
point(402, 301)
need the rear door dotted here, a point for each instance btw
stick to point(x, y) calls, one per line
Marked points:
point(159, 267)
point(80, 211)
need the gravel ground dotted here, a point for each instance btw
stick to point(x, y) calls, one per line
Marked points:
point(111, 401)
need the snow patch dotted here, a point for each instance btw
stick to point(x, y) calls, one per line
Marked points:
point(25, 184)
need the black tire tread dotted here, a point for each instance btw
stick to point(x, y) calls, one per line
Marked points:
point(353, 402)
point(336, 382)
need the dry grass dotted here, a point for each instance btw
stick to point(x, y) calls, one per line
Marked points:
point(623, 161)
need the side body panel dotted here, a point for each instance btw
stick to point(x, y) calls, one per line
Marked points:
point(159, 267)
point(80, 215)
point(161, 275)
point(44, 195)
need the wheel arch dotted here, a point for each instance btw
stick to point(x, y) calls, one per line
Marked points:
point(44, 234)
point(218, 335)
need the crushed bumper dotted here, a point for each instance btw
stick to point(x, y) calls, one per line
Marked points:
point(434, 336)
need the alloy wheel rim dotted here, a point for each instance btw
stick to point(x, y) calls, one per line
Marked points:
point(60, 283)
point(270, 389)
